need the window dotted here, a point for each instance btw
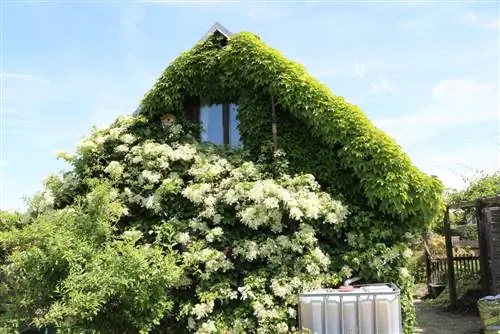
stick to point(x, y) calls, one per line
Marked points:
point(220, 125)
point(211, 120)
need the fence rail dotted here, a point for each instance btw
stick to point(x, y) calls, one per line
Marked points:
point(462, 265)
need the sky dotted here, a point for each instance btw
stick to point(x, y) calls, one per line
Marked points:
point(426, 72)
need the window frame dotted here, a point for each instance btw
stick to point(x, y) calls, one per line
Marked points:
point(193, 112)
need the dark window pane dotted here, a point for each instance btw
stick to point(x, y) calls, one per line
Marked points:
point(234, 134)
point(211, 120)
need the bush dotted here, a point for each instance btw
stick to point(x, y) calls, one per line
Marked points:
point(466, 232)
point(167, 236)
point(215, 238)
point(390, 200)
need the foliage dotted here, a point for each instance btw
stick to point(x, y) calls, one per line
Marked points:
point(9, 219)
point(482, 185)
point(167, 235)
point(241, 238)
point(437, 248)
point(465, 282)
point(466, 232)
point(322, 134)
point(69, 269)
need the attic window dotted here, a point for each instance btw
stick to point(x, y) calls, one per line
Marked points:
point(220, 125)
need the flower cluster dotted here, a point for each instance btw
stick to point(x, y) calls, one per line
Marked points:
point(247, 241)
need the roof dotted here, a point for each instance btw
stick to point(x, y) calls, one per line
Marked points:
point(216, 27)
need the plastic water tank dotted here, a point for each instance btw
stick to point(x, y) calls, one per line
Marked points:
point(364, 309)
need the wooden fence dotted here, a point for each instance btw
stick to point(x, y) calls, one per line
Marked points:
point(437, 268)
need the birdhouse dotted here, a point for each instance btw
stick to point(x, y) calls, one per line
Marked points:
point(167, 120)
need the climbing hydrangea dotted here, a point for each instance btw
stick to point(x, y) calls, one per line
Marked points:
point(244, 241)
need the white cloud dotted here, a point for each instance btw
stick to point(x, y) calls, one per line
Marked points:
point(23, 76)
point(381, 85)
point(267, 13)
point(359, 70)
point(455, 102)
point(481, 21)
point(452, 168)
point(450, 89)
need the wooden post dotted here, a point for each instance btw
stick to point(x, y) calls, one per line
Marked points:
point(449, 260)
point(274, 124)
point(483, 249)
point(427, 258)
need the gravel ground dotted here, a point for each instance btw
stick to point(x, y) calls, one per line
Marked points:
point(433, 320)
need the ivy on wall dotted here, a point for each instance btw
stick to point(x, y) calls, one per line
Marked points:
point(322, 134)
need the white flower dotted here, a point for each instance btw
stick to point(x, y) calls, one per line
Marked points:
point(150, 176)
point(214, 234)
point(404, 273)
point(203, 309)
point(271, 203)
point(115, 133)
point(312, 269)
point(282, 327)
point(114, 169)
point(408, 253)
point(86, 145)
point(191, 323)
point(47, 199)
point(65, 156)
point(296, 213)
point(320, 257)
point(207, 327)
point(152, 203)
point(100, 140)
point(280, 290)
point(121, 148)
point(196, 193)
point(127, 138)
point(182, 238)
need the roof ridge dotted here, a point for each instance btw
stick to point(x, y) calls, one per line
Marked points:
point(217, 27)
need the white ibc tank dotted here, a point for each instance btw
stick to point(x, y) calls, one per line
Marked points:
point(368, 309)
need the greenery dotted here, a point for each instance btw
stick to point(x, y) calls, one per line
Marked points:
point(151, 231)
point(437, 248)
point(10, 219)
point(465, 283)
point(481, 185)
point(322, 134)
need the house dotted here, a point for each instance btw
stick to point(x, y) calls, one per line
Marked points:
point(244, 92)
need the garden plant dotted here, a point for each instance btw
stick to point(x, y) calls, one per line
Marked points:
point(151, 231)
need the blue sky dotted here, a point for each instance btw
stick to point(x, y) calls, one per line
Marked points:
point(427, 73)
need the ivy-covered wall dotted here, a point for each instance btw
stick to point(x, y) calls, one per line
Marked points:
point(322, 134)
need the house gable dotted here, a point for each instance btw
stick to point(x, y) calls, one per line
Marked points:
point(321, 133)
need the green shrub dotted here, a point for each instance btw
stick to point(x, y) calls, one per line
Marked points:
point(167, 236)
point(466, 232)
point(204, 239)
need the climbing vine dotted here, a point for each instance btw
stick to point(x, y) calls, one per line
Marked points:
point(322, 134)
point(242, 231)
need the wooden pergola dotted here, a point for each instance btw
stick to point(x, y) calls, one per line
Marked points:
point(478, 205)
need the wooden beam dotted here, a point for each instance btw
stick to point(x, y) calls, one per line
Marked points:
point(484, 201)
point(225, 123)
point(274, 124)
point(449, 260)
